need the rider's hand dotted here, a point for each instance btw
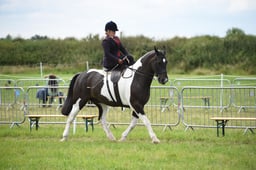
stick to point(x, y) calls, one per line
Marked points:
point(120, 61)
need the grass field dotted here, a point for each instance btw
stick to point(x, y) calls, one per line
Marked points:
point(199, 149)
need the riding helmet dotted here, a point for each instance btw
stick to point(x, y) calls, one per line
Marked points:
point(111, 26)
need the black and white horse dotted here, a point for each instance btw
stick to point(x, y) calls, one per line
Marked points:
point(131, 90)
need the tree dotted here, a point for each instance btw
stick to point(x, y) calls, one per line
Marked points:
point(234, 32)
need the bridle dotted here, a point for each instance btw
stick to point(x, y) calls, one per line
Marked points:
point(145, 74)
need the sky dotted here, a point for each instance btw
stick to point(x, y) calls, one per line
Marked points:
point(157, 19)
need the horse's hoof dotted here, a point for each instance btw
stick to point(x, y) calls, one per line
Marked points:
point(64, 139)
point(122, 139)
point(155, 140)
point(112, 138)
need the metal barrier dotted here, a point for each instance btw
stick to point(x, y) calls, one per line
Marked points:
point(244, 102)
point(12, 108)
point(38, 102)
point(244, 98)
point(25, 83)
point(242, 81)
point(181, 82)
point(7, 83)
point(199, 104)
point(162, 109)
point(167, 106)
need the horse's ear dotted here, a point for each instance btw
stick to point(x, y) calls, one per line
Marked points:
point(156, 50)
point(164, 49)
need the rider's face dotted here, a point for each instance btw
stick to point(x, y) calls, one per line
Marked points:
point(110, 33)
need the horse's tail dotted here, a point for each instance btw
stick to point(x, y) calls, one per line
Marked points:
point(66, 109)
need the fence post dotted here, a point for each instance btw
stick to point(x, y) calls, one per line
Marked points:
point(41, 69)
point(221, 92)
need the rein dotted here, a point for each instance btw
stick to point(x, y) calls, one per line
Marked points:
point(148, 75)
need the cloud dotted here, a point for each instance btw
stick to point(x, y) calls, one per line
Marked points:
point(241, 5)
point(153, 18)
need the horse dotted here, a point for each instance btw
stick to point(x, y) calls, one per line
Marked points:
point(131, 90)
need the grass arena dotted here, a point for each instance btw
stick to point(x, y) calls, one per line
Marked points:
point(180, 114)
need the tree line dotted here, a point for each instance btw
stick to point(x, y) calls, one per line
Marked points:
point(235, 51)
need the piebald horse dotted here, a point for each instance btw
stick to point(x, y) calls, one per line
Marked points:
point(133, 92)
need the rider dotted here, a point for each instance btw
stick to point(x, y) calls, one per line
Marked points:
point(114, 52)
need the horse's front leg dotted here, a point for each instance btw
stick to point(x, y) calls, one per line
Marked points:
point(104, 123)
point(129, 129)
point(150, 130)
point(71, 117)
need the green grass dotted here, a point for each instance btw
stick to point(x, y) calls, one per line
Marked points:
point(199, 149)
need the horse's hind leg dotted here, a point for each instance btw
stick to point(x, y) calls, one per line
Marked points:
point(71, 117)
point(104, 122)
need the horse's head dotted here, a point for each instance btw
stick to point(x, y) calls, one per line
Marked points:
point(159, 66)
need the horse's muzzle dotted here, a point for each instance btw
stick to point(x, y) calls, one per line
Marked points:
point(162, 79)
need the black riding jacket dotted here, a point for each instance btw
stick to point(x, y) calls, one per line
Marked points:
point(113, 50)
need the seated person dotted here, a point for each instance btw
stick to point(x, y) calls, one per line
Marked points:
point(50, 92)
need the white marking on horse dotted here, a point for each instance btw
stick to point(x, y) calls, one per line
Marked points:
point(109, 134)
point(71, 117)
point(129, 129)
point(104, 89)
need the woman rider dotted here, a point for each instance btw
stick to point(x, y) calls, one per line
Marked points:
point(114, 52)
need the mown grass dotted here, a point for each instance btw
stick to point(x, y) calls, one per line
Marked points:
point(199, 149)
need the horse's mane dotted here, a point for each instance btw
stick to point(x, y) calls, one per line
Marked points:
point(147, 55)
point(150, 53)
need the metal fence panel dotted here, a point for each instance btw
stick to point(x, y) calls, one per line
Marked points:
point(161, 109)
point(167, 106)
point(7, 83)
point(12, 108)
point(25, 83)
point(242, 81)
point(244, 98)
point(181, 82)
point(196, 111)
point(43, 104)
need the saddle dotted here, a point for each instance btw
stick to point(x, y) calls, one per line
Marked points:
point(115, 77)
